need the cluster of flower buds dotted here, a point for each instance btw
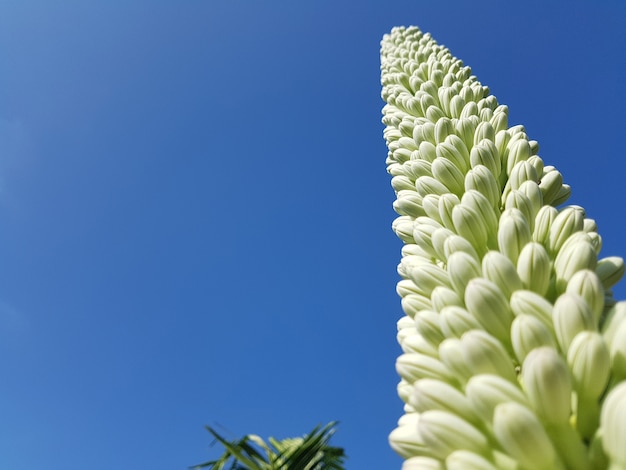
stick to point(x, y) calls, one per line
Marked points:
point(514, 351)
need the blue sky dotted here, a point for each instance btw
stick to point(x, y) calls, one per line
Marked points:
point(196, 214)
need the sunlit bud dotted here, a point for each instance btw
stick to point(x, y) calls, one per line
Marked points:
point(409, 203)
point(408, 143)
point(489, 306)
point(428, 276)
point(481, 179)
point(518, 200)
point(451, 355)
point(589, 362)
point(455, 321)
point(618, 352)
point(442, 297)
point(427, 150)
point(455, 106)
point(571, 315)
point(613, 425)
point(407, 263)
point(610, 270)
point(429, 185)
point(465, 128)
point(414, 366)
point(522, 436)
point(563, 195)
point(501, 271)
point(413, 303)
point(534, 268)
point(431, 394)
point(416, 168)
point(486, 391)
point(528, 302)
point(481, 205)
point(422, 463)
point(416, 343)
point(485, 153)
point(462, 267)
point(412, 249)
point(466, 460)
point(456, 243)
point(403, 228)
point(612, 321)
point(587, 284)
point(513, 233)
point(531, 190)
point(402, 183)
point(468, 224)
point(502, 140)
point(543, 221)
point(430, 205)
point(522, 172)
point(537, 162)
point(445, 207)
point(470, 109)
point(590, 225)
point(551, 183)
point(405, 390)
point(528, 333)
point(454, 154)
point(546, 380)
point(573, 258)
point(443, 128)
point(519, 151)
point(486, 355)
point(445, 432)
point(568, 221)
point(406, 440)
point(438, 240)
point(422, 233)
point(428, 325)
point(447, 173)
point(484, 131)
point(406, 287)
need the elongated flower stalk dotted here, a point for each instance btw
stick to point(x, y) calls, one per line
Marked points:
point(514, 351)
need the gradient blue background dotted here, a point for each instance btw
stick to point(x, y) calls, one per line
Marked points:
point(196, 214)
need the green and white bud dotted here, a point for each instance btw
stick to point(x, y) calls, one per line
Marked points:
point(462, 268)
point(466, 460)
point(468, 224)
point(455, 321)
point(430, 394)
point(447, 202)
point(570, 316)
point(547, 383)
point(447, 173)
point(481, 179)
point(486, 154)
point(486, 391)
point(550, 184)
point(428, 276)
point(490, 307)
point(486, 355)
point(522, 436)
point(501, 271)
point(414, 366)
point(513, 233)
point(428, 324)
point(422, 463)
point(567, 222)
point(430, 205)
point(518, 200)
point(443, 296)
point(479, 203)
point(429, 185)
point(610, 270)
point(409, 203)
point(456, 243)
point(572, 258)
point(534, 268)
point(405, 439)
point(403, 228)
point(587, 284)
point(528, 333)
point(416, 343)
point(543, 222)
point(445, 432)
point(613, 426)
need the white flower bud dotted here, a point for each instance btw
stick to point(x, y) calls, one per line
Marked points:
point(428, 185)
point(567, 222)
point(486, 391)
point(447, 173)
point(513, 233)
point(414, 366)
point(447, 202)
point(466, 460)
point(455, 321)
point(610, 270)
point(546, 380)
point(486, 355)
point(442, 297)
point(489, 306)
point(405, 439)
point(572, 258)
point(528, 302)
point(428, 325)
point(528, 333)
point(403, 227)
point(422, 463)
point(613, 426)
point(468, 224)
point(431, 394)
point(486, 154)
point(501, 271)
point(409, 203)
point(481, 179)
point(570, 316)
point(550, 184)
point(462, 267)
point(534, 268)
point(445, 432)
point(587, 284)
point(543, 221)
point(456, 243)
point(522, 436)
point(479, 203)
point(428, 276)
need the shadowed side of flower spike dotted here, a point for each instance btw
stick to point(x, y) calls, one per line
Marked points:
point(514, 350)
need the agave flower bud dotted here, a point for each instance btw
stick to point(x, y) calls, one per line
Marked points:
point(489, 306)
point(481, 179)
point(465, 129)
point(469, 225)
point(571, 315)
point(430, 394)
point(567, 222)
point(428, 324)
point(446, 204)
point(422, 463)
point(430, 205)
point(413, 303)
point(543, 222)
point(451, 355)
point(485, 153)
point(405, 439)
point(587, 284)
point(442, 297)
point(530, 189)
point(488, 216)
point(550, 185)
point(414, 366)
point(413, 342)
point(522, 436)
point(513, 233)
point(612, 321)
point(409, 203)
point(428, 276)
point(462, 268)
point(517, 200)
point(486, 355)
point(455, 321)
point(486, 391)
point(618, 353)
point(501, 271)
point(610, 270)
point(522, 172)
point(534, 268)
point(446, 172)
point(456, 243)
point(613, 425)
point(466, 460)
point(572, 258)
point(528, 333)
point(403, 228)
point(445, 432)
point(590, 363)
point(547, 383)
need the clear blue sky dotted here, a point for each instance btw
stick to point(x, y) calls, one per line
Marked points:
point(195, 213)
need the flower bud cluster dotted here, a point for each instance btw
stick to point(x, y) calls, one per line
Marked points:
point(514, 351)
